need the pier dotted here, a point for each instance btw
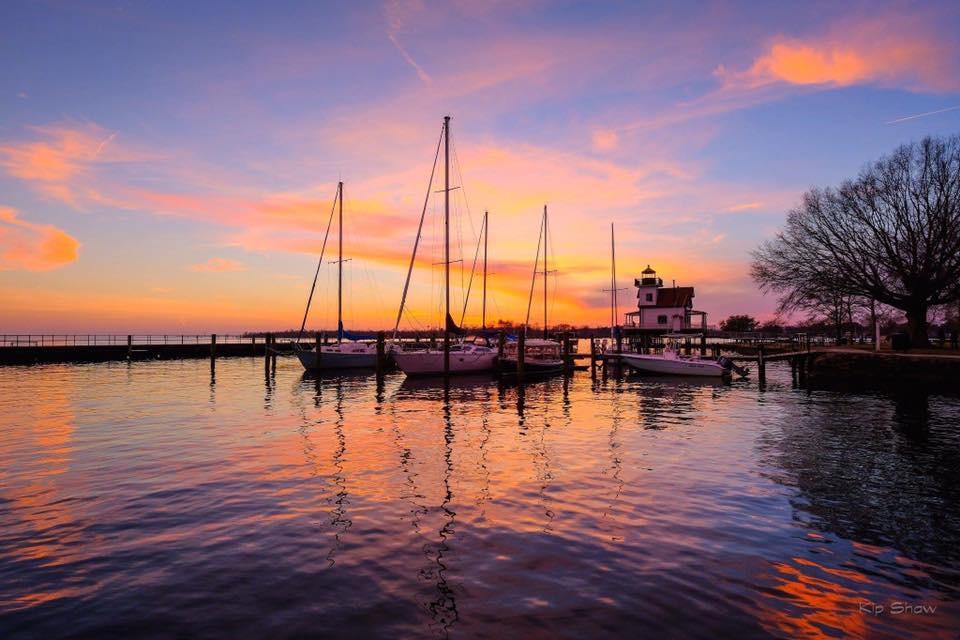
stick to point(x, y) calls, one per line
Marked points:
point(50, 348)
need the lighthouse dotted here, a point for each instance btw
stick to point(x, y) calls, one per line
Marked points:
point(660, 309)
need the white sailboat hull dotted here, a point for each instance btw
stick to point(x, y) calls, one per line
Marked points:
point(672, 366)
point(335, 358)
point(425, 363)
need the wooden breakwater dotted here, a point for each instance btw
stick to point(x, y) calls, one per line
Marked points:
point(41, 349)
point(884, 369)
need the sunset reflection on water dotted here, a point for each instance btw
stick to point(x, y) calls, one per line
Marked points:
point(150, 499)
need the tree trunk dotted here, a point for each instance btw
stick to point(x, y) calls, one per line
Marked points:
point(917, 326)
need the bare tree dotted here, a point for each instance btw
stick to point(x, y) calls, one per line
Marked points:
point(891, 235)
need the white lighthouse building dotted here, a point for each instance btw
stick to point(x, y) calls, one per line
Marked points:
point(661, 309)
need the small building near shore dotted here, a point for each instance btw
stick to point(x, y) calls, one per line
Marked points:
point(662, 309)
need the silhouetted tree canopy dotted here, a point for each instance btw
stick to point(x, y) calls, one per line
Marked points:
point(891, 235)
point(739, 324)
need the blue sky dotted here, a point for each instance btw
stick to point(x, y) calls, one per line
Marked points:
point(169, 167)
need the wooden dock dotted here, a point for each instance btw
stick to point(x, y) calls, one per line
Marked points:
point(40, 349)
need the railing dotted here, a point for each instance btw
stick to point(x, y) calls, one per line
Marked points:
point(78, 340)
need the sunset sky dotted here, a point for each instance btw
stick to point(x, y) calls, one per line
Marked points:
point(169, 167)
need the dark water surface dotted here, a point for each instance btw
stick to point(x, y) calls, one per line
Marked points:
point(145, 501)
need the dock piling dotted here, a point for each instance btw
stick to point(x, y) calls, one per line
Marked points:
point(213, 352)
point(266, 354)
point(273, 356)
point(521, 355)
point(593, 358)
point(129, 347)
point(381, 352)
point(319, 343)
point(761, 364)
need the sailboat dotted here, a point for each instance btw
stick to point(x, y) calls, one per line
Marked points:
point(341, 355)
point(451, 358)
point(614, 327)
point(540, 355)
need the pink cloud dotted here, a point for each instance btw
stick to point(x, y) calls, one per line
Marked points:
point(218, 265)
point(604, 139)
point(33, 247)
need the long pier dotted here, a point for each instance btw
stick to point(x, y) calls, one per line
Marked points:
point(51, 348)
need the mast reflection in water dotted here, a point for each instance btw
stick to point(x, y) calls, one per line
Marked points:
point(147, 499)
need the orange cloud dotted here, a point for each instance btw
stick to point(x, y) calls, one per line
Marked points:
point(218, 265)
point(33, 247)
point(893, 51)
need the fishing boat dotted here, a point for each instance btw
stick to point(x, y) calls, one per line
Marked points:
point(539, 355)
point(341, 355)
point(672, 362)
point(451, 358)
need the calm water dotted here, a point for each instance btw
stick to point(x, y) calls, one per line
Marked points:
point(145, 500)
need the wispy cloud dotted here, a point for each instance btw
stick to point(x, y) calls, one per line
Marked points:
point(396, 12)
point(923, 115)
point(218, 265)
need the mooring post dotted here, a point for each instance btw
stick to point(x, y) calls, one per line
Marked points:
point(761, 365)
point(253, 345)
point(273, 355)
point(703, 345)
point(593, 358)
point(619, 342)
point(521, 355)
point(567, 360)
point(381, 352)
point(213, 351)
point(686, 345)
point(501, 344)
point(317, 351)
point(266, 354)
point(129, 347)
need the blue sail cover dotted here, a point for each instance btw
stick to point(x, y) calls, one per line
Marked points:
point(350, 335)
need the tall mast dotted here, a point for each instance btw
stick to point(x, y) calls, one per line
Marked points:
point(446, 243)
point(486, 236)
point(340, 267)
point(613, 286)
point(544, 272)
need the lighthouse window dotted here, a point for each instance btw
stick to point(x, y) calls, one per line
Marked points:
point(649, 297)
point(661, 319)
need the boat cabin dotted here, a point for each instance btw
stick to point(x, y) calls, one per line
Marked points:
point(534, 348)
